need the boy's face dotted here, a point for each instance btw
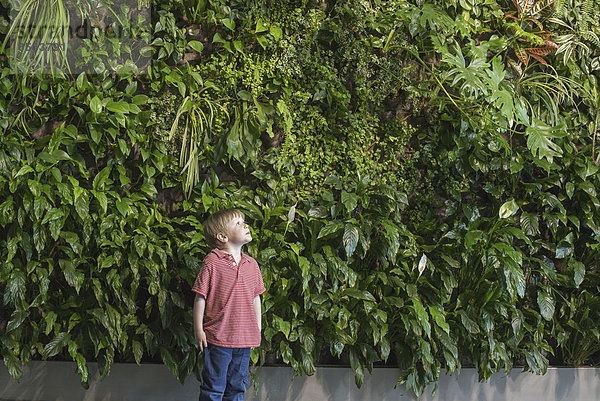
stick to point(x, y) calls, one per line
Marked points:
point(238, 232)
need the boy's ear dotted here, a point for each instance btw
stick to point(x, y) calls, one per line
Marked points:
point(222, 237)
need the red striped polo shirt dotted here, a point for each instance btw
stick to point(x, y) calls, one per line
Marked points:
point(229, 290)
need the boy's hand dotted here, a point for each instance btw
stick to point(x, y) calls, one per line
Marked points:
point(201, 339)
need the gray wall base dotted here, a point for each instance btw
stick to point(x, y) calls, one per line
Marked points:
point(58, 381)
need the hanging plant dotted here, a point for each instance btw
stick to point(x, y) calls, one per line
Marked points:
point(199, 112)
point(40, 35)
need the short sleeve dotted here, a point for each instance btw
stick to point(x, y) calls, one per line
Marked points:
point(260, 285)
point(202, 283)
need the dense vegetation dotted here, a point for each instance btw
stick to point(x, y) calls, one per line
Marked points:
point(420, 178)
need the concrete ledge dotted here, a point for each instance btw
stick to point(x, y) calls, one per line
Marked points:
point(338, 384)
point(58, 381)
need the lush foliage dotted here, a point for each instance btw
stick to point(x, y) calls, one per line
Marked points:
point(420, 179)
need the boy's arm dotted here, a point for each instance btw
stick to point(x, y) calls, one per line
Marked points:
point(257, 308)
point(199, 306)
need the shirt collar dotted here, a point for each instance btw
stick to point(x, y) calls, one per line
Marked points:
point(226, 255)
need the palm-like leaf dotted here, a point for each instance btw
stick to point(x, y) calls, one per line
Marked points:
point(199, 114)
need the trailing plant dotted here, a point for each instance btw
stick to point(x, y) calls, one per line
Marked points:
point(199, 112)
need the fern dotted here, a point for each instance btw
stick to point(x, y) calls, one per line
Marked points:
point(591, 37)
point(588, 21)
point(586, 14)
point(559, 9)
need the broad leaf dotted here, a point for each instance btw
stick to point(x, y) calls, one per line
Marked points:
point(55, 346)
point(578, 272)
point(350, 239)
point(359, 294)
point(508, 209)
point(330, 228)
point(530, 224)
point(540, 140)
point(437, 313)
point(546, 303)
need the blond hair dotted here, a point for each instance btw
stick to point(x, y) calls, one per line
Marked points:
point(217, 224)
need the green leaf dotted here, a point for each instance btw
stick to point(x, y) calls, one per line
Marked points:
point(35, 187)
point(138, 351)
point(540, 140)
point(71, 131)
point(238, 46)
point(245, 95)
point(284, 327)
point(318, 212)
point(218, 39)
point(13, 365)
point(49, 320)
point(181, 86)
point(518, 233)
point(578, 272)
point(350, 239)
point(82, 368)
point(570, 189)
point(546, 303)
point(169, 361)
point(359, 294)
point(451, 261)
point(196, 45)
point(118, 107)
point(96, 105)
point(124, 206)
point(262, 41)
point(40, 204)
point(82, 205)
point(330, 228)
point(102, 178)
point(349, 200)
point(26, 169)
point(468, 323)
point(81, 81)
point(276, 31)
point(17, 319)
point(39, 237)
point(102, 200)
point(515, 278)
point(439, 318)
point(508, 209)
point(260, 26)
point(359, 371)
point(55, 346)
point(421, 315)
point(140, 243)
point(53, 214)
point(74, 278)
point(147, 51)
point(563, 252)
point(530, 224)
point(472, 237)
point(12, 245)
point(504, 101)
point(229, 23)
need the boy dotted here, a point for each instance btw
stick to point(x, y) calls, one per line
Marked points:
point(227, 308)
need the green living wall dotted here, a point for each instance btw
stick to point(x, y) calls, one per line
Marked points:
point(420, 178)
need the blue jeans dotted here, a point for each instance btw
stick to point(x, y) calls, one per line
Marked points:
point(224, 374)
